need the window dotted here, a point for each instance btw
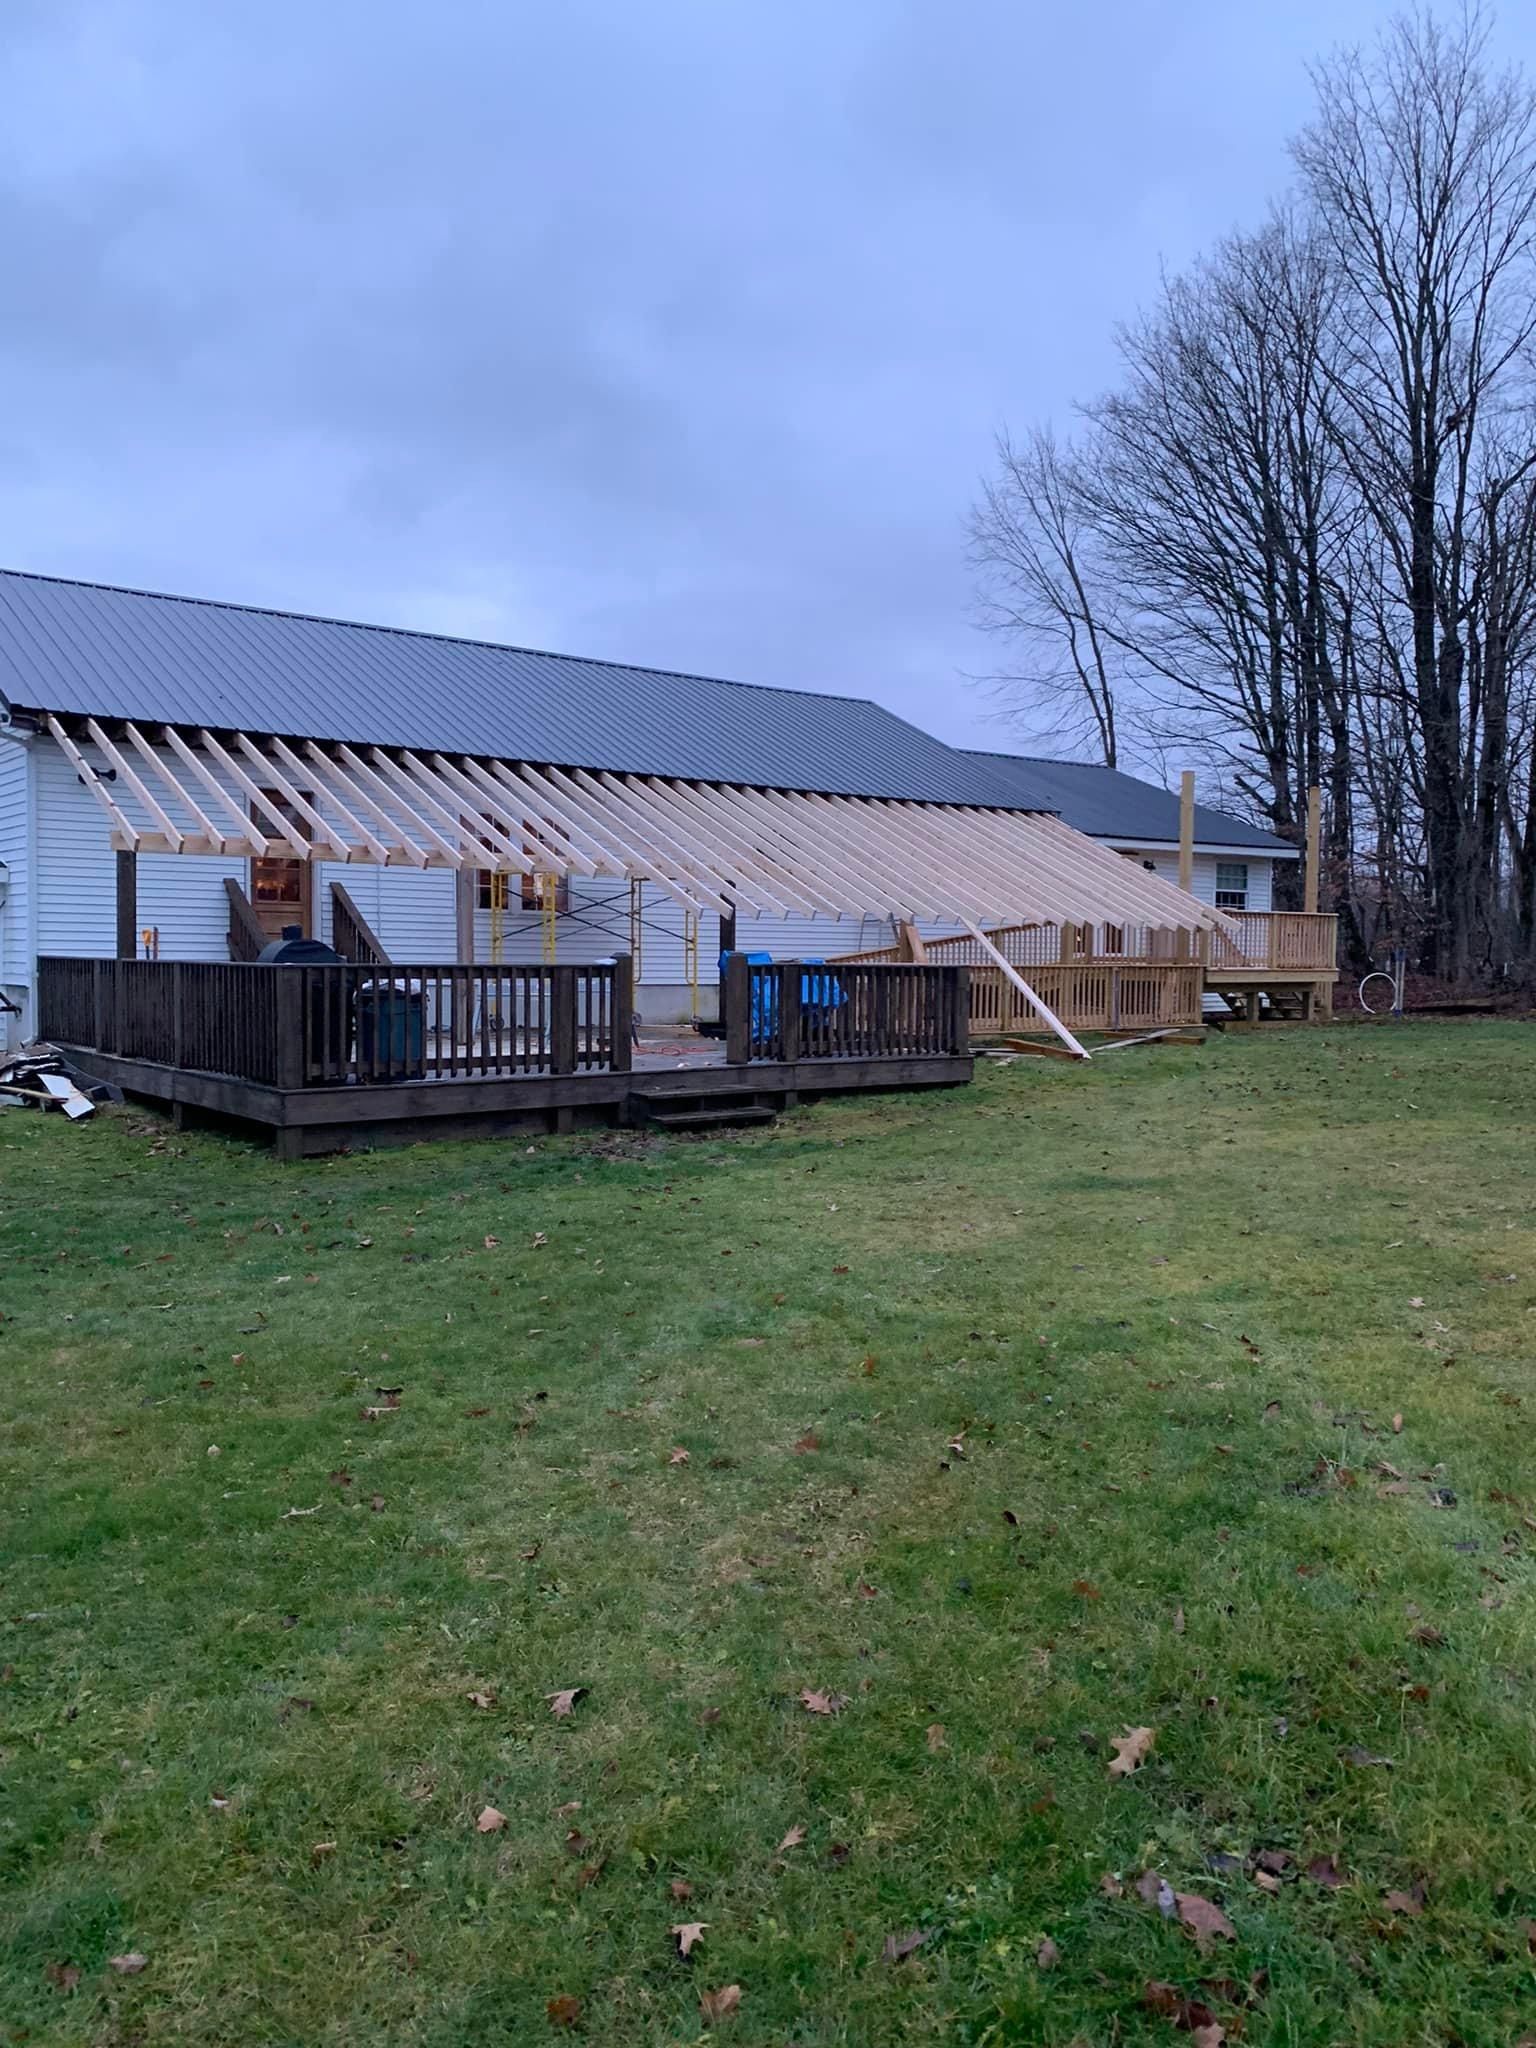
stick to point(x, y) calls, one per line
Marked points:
point(493, 890)
point(1231, 885)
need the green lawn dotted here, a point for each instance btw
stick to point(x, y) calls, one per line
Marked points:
point(677, 1425)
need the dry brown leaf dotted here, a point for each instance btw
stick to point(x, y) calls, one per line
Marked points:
point(866, 1591)
point(490, 1820)
point(688, 1934)
point(899, 1946)
point(809, 1442)
point(64, 1975)
point(1155, 1890)
point(681, 1889)
point(1397, 1425)
point(1130, 1750)
point(1178, 1621)
point(561, 1703)
point(484, 1700)
point(564, 2011)
point(1410, 1903)
point(1111, 1886)
point(1085, 1589)
point(1047, 1955)
point(1204, 1920)
point(678, 1456)
point(491, 1243)
point(1272, 1412)
point(792, 1839)
point(1430, 1638)
point(1266, 1881)
point(719, 2005)
point(1324, 1871)
point(936, 1736)
point(320, 1851)
point(1363, 1759)
point(130, 1964)
point(377, 1503)
point(823, 1702)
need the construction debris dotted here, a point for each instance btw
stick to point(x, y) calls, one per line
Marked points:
point(39, 1074)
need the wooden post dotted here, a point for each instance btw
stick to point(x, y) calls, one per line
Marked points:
point(562, 1020)
point(1314, 845)
point(789, 1010)
point(101, 1003)
point(288, 1013)
point(738, 1019)
point(178, 1018)
point(1187, 829)
point(622, 1051)
point(127, 906)
point(960, 1009)
point(465, 887)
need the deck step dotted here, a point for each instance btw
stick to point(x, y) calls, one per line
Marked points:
point(716, 1113)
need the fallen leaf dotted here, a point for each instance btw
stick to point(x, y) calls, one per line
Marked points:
point(538, 1240)
point(688, 1934)
point(680, 1888)
point(1272, 1412)
point(1363, 1758)
point(130, 1964)
point(1130, 1750)
point(899, 1946)
point(490, 1820)
point(531, 1553)
point(483, 1700)
point(823, 1702)
point(1397, 1425)
point(65, 1975)
point(1155, 1890)
point(564, 2011)
point(868, 1367)
point(1047, 1955)
point(935, 1736)
point(321, 1850)
point(1085, 1589)
point(561, 1703)
point(678, 1457)
point(576, 1843)
point(1415, 1301)
point(1111, 1886)
point(1410, 1903)
point(1178, 1621)
point(1324, 1871)
point(838, 1854)
point(491, 1243)
point(377, 1503)
point(792, 1840)
point(1430, 1638)
point(809, 1442)
point(1193, 2015)
point(719, 2005)
point(1204, 1920)
point(866, 1591)
point(1266, 1881)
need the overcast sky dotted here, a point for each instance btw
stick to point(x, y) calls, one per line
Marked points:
point(670, 330)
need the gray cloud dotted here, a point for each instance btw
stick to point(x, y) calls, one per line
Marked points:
point(674, 332)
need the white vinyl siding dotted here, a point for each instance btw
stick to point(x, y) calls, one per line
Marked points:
point(15, 967)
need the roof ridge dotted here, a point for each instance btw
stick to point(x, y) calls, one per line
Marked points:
point(1044, 760)
point(271, 611)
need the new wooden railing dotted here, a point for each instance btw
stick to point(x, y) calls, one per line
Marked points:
point(787, 1010)
point(1301, 941)
point(309, 1026)
point(351, 934)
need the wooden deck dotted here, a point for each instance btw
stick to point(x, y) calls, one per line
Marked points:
point(314, 1057)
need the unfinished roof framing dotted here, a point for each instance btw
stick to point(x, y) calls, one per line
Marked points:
point(711, 846)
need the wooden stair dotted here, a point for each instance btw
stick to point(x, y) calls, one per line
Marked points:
point(673, 1114)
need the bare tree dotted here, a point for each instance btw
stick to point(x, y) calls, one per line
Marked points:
point(1041, 586)
point(1421, 167)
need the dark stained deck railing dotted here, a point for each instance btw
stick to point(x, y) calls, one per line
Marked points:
point(308, 1026)
point(786, 1010)
point(313, 1025)
point(351, 934)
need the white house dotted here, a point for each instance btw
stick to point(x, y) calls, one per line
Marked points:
point(383, 761)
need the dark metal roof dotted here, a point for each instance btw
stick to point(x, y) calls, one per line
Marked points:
point(77, 648)
point(1107, 804)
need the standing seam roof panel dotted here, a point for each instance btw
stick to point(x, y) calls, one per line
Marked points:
point(78, 648)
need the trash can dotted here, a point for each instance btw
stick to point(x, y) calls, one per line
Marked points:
point(391, 1031)
point(330, 1021)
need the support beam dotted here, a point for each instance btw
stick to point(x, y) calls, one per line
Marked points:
point(1011, 973)
point(1187, 829)
point(127, 906)
point(1314, 846)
